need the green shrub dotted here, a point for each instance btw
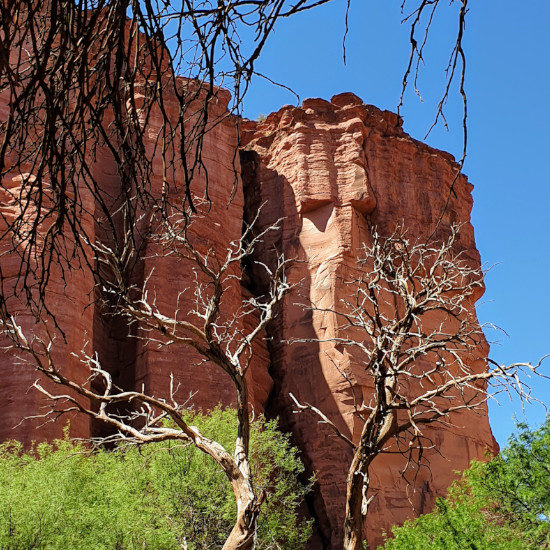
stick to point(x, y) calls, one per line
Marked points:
point(502, 504)
point(156, 497)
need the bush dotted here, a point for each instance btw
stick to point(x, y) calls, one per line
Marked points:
point(157, 497)
point(502, 504)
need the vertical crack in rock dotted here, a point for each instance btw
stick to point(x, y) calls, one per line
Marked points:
point(263, 189)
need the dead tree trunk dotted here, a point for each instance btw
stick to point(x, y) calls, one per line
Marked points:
point(243, 534)
point(353, 521)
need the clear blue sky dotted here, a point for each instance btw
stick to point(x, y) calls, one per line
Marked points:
point(508, 48)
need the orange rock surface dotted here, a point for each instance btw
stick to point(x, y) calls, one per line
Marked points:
point(324, 169)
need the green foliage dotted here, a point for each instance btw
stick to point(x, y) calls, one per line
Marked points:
point(502, 504)
point(519, 478)
point(156, 497)
point(457, 523)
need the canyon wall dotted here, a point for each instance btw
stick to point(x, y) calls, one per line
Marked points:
point(328, 171)
point(80, 319)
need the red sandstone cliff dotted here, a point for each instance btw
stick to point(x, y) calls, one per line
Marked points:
point(72, 295)
point(325, 168)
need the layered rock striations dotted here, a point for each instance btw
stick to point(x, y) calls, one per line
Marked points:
point(329, 171)
point(81, 318)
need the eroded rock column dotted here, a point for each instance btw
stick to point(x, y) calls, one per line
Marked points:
point(331, 170)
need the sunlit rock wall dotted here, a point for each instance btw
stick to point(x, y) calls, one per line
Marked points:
point(330, 171)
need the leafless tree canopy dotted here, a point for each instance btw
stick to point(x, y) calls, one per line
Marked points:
point(83, 74)
point(412, 323)
point(90, 73)
point(420, 19)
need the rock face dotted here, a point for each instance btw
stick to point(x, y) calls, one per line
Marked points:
point(327, 170)
point(83, 319)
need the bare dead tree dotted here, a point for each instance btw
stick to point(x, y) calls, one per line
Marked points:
point(411, 321)
point(221, 340)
